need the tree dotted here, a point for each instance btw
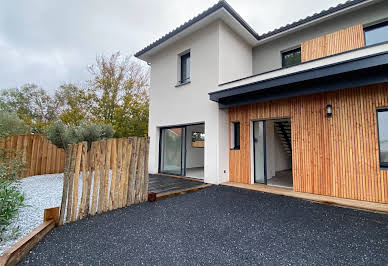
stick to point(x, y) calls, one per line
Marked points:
point(119, 92)
point(11, 124)
point(74, 104)
point(32, 104)
point(61, 135)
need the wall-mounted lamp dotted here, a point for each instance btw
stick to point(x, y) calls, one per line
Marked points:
point(329, 110)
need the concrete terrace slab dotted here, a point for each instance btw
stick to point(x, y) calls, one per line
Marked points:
point(224, 226)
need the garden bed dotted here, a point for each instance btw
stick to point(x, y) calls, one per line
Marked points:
point(41, 192)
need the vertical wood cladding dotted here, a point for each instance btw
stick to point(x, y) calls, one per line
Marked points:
point(336, 156)
point(333, 43)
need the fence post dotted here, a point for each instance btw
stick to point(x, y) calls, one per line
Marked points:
point(102, 171)
point(65, 184)
point(146, 177)
point(85, 181)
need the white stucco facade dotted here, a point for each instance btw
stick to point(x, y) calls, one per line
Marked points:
point(173, 105)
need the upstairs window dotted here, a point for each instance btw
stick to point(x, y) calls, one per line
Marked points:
point(376, 33)
point(185, 68)
point(235, 136)
point(291, 58)
point(382, 124)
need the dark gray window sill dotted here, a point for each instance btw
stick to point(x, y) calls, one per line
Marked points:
point(182, 83)
point(235, 149)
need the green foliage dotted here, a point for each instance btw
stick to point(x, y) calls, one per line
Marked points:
point(74, 103)
point(62, 135)
point(32, 104)
point(119, 92)
point(11, 166)
point(11, 199)
point(56, 134)
point(117, 95)
point(11, 124)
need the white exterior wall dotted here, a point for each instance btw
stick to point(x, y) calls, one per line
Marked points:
point(189, 103)
point(235, 56)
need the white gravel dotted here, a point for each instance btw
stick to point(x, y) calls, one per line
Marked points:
point(41, 192)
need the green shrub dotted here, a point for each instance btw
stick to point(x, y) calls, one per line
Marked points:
point(61, 136)
point(11, 166)
point(55, 134)
point(106, 131)
point(11, 198)
point(11, 124)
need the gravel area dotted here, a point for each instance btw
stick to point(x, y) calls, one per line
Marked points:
point(223, 226)
point(41, 192)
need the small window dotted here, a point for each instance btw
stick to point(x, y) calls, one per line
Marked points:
point(185, 68)
point(198, 140)
point(235, 136)
point(376, 34)
point(291, 58)
point(382, 124)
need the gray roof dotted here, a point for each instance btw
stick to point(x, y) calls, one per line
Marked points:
point(224, 4)
point(214, 8)
point(312, 18)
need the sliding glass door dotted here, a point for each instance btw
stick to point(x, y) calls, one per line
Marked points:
point(259, 151)
point(172, 150)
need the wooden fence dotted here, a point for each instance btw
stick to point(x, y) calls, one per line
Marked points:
point(113, 174)
point(39, 154)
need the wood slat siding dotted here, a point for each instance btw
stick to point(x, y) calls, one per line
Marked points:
point(39, 154)
point(336, 156)
point(333, 43)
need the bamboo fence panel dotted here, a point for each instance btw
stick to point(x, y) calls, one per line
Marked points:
point(39, 155)
point(114, 174)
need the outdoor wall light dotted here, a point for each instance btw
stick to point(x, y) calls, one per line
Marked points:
point(329, 110)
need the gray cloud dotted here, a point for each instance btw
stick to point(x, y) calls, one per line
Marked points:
point(49, 42)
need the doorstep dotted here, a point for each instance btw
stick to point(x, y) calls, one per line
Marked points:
point(349, 203)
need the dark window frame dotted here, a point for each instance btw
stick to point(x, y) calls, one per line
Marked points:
point(184, 58)
point(236, 135)
point(291, 51)
point(383, 165)
point(373, 27)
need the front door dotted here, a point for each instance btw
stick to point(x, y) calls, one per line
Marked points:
point(259, 151)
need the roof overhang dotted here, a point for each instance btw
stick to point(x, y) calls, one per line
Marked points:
point(221, 11)
point(367, 70)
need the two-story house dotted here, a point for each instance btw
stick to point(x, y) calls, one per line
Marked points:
point(304, 106)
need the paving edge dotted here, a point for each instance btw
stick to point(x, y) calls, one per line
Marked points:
point(152, 196)
point(14, 254)
point(327, 200)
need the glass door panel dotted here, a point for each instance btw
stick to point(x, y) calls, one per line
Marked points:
point(259, 152)
point(172, 151)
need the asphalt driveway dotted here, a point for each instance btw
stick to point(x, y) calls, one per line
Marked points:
point(220, 225)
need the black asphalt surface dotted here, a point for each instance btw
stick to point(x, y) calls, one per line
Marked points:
point(222, 226)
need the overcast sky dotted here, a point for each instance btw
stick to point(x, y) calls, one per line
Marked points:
point(50, 42)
